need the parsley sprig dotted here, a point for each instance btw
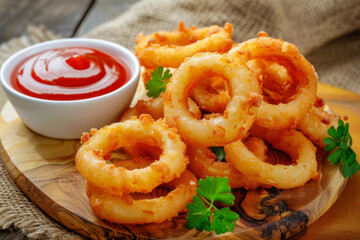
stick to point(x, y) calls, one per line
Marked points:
point(209, 191)
point(219, 153)
point(158, 81)
point(341, 140)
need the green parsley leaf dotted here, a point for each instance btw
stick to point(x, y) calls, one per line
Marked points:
point(209, 191)
point(198, 215)
point(355, 167)
point(340, 142)
point(332, 132)
point(158, 81)
point(347, 171)
point(219, 152)
point(224, 220)
point(335, 156)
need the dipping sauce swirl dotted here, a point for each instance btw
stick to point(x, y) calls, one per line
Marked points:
point(69, 74)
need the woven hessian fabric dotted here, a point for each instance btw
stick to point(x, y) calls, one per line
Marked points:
point(326, 32)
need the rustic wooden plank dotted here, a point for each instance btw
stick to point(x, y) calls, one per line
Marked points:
point(103, 10)
point(52, 182)
point(62, 17)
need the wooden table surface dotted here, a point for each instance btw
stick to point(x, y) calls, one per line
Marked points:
point(57, 16)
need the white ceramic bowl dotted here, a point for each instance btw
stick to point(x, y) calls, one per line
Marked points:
point(68, 119)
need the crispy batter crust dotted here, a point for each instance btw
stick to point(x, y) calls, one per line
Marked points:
point(171, 162)
point(239, 113)
point(125, 209)
point(301, 150)
point(169, 49)
point(282, 115)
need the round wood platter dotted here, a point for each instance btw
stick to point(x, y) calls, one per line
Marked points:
point(44, 169)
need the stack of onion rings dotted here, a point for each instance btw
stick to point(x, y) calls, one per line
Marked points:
point(260, 93)
point(110, 185)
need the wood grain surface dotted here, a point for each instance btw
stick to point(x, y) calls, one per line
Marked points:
point(44, 169)
point(102, 11)
point(63, 17)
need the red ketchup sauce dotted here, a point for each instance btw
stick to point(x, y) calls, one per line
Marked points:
point(69, 74)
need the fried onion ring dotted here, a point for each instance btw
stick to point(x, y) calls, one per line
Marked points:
point(315, 124)
point(290, 141)
point(90, 162)
point(282, 115)
point(278, 87)
point(155, 107)
point(143, 150)
point(169, 49)
point(202, 162)
point(134, 163)
point(127, 210)
point(211, 95)
point(239, 113)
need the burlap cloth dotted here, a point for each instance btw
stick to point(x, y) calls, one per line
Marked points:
point(326, 32)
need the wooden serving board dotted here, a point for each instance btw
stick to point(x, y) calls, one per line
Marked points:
point(45, 171)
